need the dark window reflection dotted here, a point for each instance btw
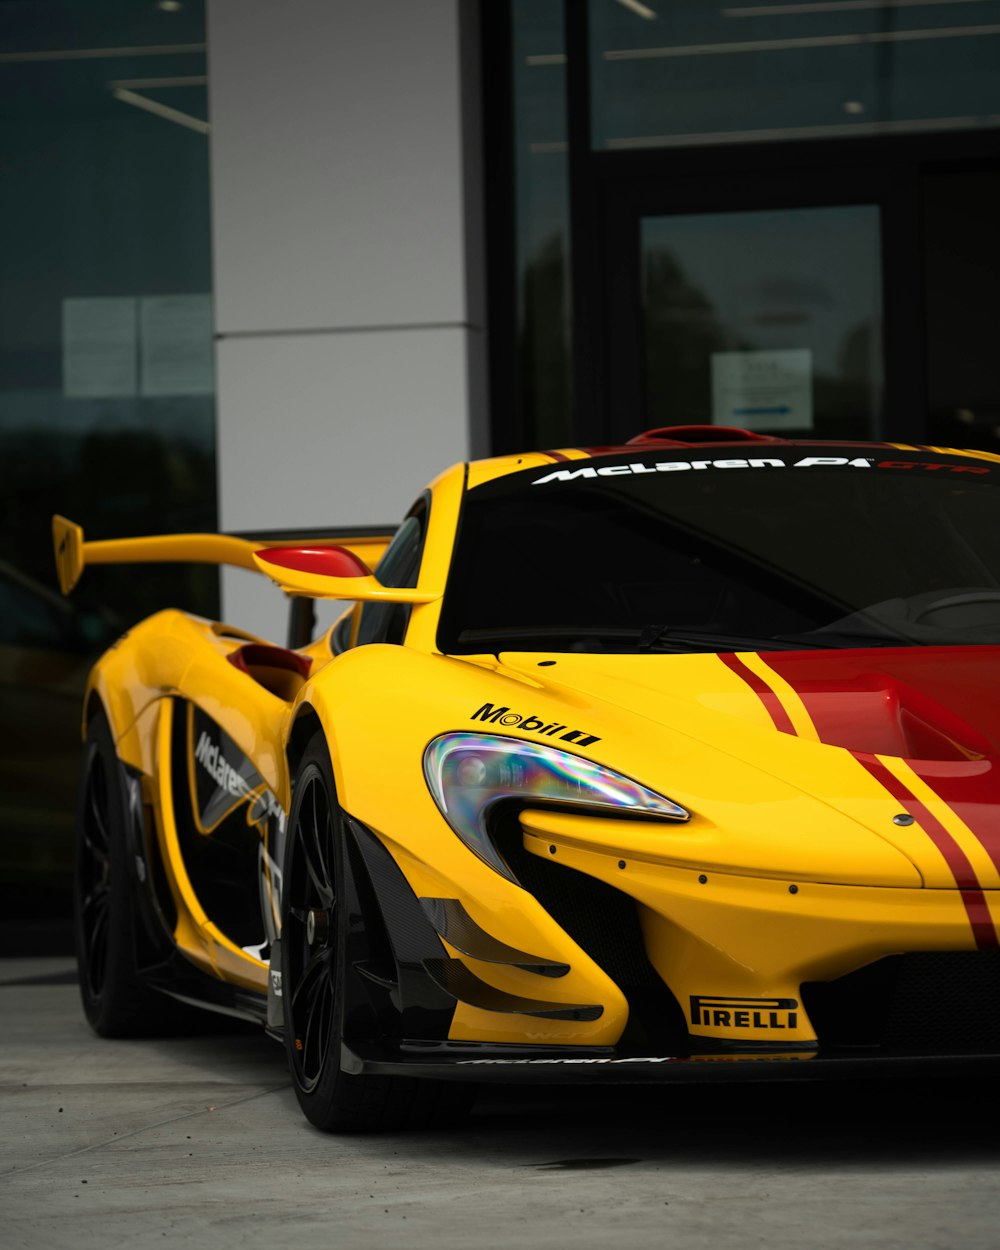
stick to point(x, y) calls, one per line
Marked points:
point(766, 320)
point(107, 411)
point(684, 72)
point(542, 211)
point(962, 250)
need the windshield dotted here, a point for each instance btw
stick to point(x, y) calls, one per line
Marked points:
point(704, 550)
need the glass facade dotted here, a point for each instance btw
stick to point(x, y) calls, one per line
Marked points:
point(107, 410)
point(782, 215)
point(542, 219)
point(689, 73)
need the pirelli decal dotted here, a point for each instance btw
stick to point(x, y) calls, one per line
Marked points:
point(711, 1011)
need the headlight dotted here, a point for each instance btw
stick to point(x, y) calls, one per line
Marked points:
point(468, 772)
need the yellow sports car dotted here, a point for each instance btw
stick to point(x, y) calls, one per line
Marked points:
point(677, 759)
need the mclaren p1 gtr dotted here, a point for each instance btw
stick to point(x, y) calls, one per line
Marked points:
point(677, 759)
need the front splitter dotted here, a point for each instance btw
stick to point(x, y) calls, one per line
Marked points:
point(564, 1065)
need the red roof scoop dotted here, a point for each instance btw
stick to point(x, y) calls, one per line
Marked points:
point(685, 434)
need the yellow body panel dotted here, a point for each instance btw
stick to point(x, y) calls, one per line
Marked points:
point(794, 867)
point(784, 932)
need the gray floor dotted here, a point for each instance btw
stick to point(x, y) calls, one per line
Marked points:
point(200, 1141)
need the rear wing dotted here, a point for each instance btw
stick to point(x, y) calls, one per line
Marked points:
point(74, 553)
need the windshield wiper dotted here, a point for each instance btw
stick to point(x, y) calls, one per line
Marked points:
point(664, 638)
point(544, 635)
point(650, 638)
point(846, 639)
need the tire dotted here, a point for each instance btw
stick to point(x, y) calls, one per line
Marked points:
point(115, 1001)
point(314, 967)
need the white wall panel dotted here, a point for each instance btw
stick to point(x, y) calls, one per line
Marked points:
point(347, 243)
point(337, 163)
point(331, 430)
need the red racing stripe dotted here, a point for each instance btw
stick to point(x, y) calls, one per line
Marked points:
point(555, 455)
point(938, 709)
point(972, 894)
point(763, 692)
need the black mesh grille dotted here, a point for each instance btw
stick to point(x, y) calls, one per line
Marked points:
point(940, 1002)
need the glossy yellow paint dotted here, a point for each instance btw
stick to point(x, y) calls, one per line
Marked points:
point(770, 810)
point(198, 936)
point(74, 553)
point(786, 694)
point(715, 935)
point(983, 866)
point(137, 682)
point(322, 586)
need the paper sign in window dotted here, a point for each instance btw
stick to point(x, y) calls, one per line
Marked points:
point(176, 345)
point(99, 355)
point(767, 391)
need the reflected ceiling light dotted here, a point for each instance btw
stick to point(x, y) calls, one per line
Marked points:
point(832, 6)
point(97, 54)
point(810, 41)
point(169, 6)
point(190, 122)
point(640, 10)
point(975, 121)
point(854, 107)
point(187, 80)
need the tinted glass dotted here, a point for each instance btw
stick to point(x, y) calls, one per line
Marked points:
point(687, 72)
point(745, 547)
point(107, 407)
point(960, 211)
point(542, 216)
point(399, 566)
point(769, 320)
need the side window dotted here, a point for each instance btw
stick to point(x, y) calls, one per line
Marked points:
point(399, 566)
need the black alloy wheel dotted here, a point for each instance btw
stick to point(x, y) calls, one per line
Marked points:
point(319, 918)
point(310, 936)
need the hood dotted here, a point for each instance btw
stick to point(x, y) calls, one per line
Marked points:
point(904, 741)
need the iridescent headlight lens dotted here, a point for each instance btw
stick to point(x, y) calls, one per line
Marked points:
point(468, 772)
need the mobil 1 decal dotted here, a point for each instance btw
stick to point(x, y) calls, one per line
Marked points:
point(505, 716)
point(223, 778)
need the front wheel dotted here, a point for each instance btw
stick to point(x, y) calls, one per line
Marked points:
point(315, 905)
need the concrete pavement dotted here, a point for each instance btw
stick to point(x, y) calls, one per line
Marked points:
point(199, 1141)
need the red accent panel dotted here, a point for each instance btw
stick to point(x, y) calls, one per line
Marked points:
point(556, 455)
point(327, 561)
point(965, 877)
point(930, 703)
point(938, 708)
point(272, 657)
point(763, 691)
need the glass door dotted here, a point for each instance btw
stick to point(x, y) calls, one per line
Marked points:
point(786, 300)
point(770, 320)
